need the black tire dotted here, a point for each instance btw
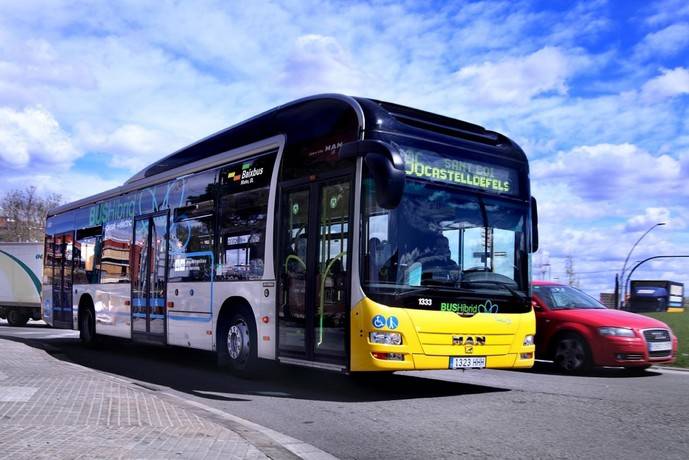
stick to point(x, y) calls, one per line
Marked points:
point(17, 318)
point(237, 344)
point(571, 354)
point(87, 327)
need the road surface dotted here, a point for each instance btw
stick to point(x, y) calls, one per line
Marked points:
point(442, 414)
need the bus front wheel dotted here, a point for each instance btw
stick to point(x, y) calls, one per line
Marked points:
point(237, 345)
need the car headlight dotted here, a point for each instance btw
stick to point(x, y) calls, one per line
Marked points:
point(528, 340)
point(616, 331)
point(386, 338)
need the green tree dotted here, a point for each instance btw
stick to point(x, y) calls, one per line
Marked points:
point(24, 212)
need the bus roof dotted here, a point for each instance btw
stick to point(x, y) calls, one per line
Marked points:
point(371, 115)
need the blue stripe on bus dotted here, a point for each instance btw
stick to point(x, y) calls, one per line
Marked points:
point(154, 302)
point(190, 318)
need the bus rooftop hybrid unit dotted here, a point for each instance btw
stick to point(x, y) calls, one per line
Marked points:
point(21, 265)
point(334, 232)
point(656, 295)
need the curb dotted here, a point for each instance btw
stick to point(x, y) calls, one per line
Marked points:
point(670, 368)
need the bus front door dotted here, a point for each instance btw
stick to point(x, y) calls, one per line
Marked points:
point(314, 275)
point(148, 268)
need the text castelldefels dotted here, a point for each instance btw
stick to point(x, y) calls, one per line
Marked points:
point(470, 174)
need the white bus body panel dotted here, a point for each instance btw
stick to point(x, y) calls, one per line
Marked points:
point(113, 315)
point(192, 321)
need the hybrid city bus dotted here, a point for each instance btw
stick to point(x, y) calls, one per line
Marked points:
point(335, 232)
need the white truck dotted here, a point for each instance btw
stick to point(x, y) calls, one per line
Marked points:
point(21, 272)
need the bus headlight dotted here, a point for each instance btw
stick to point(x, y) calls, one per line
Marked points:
point(528, 340)
point(616, 331)
point(386, 338)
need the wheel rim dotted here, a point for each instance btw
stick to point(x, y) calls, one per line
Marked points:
point(238, 341)
point(569, 354)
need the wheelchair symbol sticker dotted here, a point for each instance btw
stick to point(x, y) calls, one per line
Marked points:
point(378, 321)
point(392, 322)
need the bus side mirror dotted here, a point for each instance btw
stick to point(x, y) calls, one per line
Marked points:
point(386, 166)
point(534, 225)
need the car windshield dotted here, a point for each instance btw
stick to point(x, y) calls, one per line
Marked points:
point(565, 298)
point(441, 237)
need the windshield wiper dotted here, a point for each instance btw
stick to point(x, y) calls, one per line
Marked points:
point(440, 287)
point(515, 294)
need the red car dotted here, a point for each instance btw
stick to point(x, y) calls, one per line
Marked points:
point(578, 332)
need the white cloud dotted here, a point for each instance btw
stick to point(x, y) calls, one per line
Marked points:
point(671, 83)
point(517, 80)
point(33, 135)
point(69, 184)
point(652, 216)
point(667, 11)
point(669, 41)
point(612, 171)
point(319, 62)
point(130, 146)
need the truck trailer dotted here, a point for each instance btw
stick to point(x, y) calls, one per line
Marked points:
point(21, 268)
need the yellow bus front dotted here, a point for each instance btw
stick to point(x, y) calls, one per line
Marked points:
point(390, 338)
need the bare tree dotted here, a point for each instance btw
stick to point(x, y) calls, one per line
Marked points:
point(24, 213)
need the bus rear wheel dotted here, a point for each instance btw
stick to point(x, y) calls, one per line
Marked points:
point(87, 327)
point(16, 318)
point(237, 345)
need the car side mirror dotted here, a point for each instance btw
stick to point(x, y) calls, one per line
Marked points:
point(536, 306)
point(386, 165)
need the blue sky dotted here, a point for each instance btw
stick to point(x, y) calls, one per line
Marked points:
point(597, 94)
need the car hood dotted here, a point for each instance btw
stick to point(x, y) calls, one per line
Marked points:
point(606, 317)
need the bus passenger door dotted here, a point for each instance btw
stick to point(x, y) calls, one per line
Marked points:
point(313, 270)
point(62, 279)
point(148, 268)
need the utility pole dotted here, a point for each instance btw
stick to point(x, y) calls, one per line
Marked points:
point(569, 270)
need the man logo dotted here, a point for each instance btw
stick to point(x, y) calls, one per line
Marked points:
point(469, 340)
point(468, 349)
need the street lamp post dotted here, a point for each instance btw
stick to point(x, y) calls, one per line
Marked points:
point(624, 267)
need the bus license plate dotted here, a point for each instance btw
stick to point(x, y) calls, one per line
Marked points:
point(659, 346)
point(467, 362)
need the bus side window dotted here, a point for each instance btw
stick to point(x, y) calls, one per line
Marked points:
point(115, 253)
point(87, 250)
point(191, 243)
point(242, 235)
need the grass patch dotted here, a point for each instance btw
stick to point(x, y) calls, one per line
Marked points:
point(679, 323)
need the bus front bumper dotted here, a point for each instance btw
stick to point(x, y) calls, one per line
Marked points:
point(433, 340)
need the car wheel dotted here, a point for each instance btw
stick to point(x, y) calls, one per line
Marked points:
point(17, 318)
point(571, 354)
point(237, 345)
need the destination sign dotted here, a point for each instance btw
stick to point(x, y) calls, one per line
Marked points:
point(431, 166)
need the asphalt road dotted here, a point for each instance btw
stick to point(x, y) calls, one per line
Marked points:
point(444, 414)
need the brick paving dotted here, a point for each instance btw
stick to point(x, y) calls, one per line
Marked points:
point(53, 409)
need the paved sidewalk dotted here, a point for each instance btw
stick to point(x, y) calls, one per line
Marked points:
point(54, 409)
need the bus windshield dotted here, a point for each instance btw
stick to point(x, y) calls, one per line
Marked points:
point(442, 239)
